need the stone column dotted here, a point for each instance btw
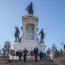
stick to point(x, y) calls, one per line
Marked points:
point(30, 19)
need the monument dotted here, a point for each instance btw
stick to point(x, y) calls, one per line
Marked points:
point(29, 34)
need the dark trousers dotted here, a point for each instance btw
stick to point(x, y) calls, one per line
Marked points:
point(36, 58)
point(40, 58)
point(24, 57)
point(19, 57)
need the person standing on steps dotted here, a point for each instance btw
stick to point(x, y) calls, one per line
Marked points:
point(41, 55)
point(36, 54)
point(25, 51)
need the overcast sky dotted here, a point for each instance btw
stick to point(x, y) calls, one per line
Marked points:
point(51, 15)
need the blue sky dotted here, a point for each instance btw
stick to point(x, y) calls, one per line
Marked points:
point(51, 15)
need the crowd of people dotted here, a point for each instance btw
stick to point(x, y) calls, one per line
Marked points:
point(35, 54)
point(25, 53)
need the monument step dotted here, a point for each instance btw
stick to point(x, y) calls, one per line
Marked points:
point(29, 62)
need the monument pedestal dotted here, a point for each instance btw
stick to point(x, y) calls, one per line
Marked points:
point(29, 44)
point(29, 35)
point(42, 46)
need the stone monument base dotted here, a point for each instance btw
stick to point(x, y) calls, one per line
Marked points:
point(30, 45)
point(42, 46)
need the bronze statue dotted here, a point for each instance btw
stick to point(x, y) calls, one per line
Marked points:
point(41, 36)
point(30, 8)
point(17, 32)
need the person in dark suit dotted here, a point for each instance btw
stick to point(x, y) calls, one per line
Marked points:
point(36, 54)
point(41, 55)
point(25, 51)
point(19, 53)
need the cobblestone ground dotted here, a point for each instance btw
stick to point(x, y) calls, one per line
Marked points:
point(57, 61)
point(27, 63)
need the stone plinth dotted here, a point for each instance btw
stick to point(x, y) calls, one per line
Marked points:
point(42, 47)
point(29, 44)
point(29, 23)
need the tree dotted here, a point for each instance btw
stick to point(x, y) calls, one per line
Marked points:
point(48, 51)
point(54, 48)
point(7, 47)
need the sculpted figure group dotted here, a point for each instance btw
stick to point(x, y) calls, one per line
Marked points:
point(30, 8)
point(17, 34)
point(18, 39)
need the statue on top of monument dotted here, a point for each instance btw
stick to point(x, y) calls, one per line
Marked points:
point(42, 35)
point(30, 8)
point(17, 32)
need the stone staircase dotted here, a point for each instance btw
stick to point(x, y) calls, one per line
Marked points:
point(57, 61)
point(30, 63)
point(3, 60)
point(60, 60)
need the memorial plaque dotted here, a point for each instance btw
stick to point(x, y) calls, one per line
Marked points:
point(30, 31)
